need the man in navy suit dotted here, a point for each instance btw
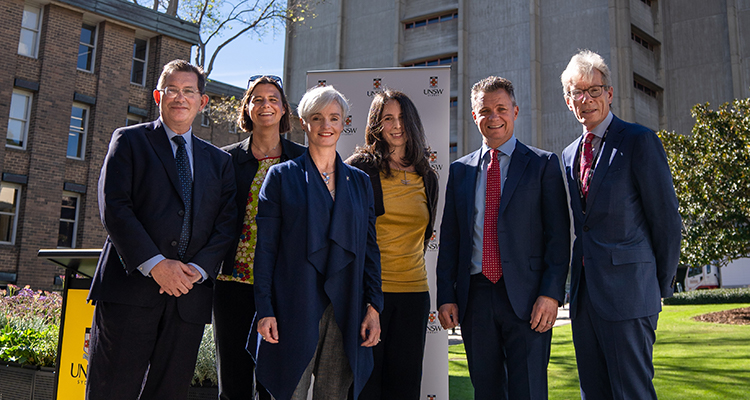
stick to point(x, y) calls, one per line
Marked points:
point(504, 251)
point(166, 199)
point(627, 237)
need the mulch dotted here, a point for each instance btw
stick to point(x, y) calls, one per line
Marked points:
point(738, 316)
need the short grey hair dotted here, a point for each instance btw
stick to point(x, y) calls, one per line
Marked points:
point(488, 85)
point(582, 66)
point(318, 98)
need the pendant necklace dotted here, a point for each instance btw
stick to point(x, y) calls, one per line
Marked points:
point(405, 181)
point(270, 151)
point(327, 176)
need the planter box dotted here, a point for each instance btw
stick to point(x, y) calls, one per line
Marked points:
point(24, 383)
point(34, 383)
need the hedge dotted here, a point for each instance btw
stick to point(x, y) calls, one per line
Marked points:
point(710, 296)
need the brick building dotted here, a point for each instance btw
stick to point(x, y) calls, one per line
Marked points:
point(75, 71)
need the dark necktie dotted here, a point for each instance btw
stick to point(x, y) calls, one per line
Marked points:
point(186, 183)
point(491, 265)
point(587, 161)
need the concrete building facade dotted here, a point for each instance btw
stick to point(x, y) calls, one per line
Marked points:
point(665, 55)
point(74, 71)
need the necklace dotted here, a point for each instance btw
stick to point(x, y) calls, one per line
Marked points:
point(405, 181)
point(270, 151)
point(327, 176)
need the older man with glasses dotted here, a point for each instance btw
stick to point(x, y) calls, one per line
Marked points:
point(627, 242)
point(166, 199)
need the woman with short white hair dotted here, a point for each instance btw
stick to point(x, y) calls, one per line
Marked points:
point(317, 266)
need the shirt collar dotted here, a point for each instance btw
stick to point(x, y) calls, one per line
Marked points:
point(188, 136)
point(599, 130)
point(506, 148)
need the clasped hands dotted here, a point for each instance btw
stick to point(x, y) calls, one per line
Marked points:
point(543, 314)
point(174, 277)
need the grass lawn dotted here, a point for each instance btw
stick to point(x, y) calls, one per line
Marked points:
point(692, 360)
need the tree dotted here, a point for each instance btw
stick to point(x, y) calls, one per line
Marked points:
point(711, 172)
point(241, 17)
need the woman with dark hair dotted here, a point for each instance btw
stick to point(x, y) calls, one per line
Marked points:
point(395, 156)
point(264, 112)
point(317, 269)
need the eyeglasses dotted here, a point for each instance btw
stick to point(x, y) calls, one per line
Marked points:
point(594, 92)
point(274, 77)
point(171, 92)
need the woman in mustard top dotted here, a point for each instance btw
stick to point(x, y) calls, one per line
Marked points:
point(395, 156)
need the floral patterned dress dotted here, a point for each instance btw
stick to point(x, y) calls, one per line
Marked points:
point(244, 258)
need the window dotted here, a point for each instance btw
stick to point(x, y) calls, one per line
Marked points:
point(138, 70)
point(77, 131)
point(68, 220)
point(30, 24)
point(643, 88)
point(133, 119)
point(436, 61)
point(640, 40)
point(10, 197)
point(86, 48)
point(18, 123)
point(205, 118)
point(428, 21)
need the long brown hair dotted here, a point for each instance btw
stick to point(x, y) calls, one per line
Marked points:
point(376, 147)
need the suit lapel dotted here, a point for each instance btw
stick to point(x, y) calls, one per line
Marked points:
point(200, 177)
point(518, 162)
point(611, 144)
point(160, 143)
point(569, 158)
point(468, 185)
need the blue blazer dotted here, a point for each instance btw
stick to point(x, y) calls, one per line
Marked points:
point(533, 230)
point(141, 206)
point(629, 235)
point(312, 252)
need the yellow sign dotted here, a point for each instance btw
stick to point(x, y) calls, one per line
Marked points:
point(74, 355)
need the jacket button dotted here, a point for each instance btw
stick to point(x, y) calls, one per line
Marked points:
point(585, 228)
point(174, 243)
point(181, 213)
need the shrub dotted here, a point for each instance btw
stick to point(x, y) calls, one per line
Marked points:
point(711, 296)
point(205, 367)
point(30, 326)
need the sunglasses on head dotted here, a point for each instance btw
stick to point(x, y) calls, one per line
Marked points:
point(274, 77)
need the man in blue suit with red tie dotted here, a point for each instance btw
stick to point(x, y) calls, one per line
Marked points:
point(166, 199)
point(627, 242)
point(504, 251)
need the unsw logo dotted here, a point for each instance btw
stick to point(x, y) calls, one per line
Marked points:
point(348, 128)
point(433, 90)
point(377, 87)
point(431, 397)
point(321, 82)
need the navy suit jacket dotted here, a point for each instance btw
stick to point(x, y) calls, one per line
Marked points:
point(141, 206)
point(629, 236)
point(311, 252)
point(533, 230)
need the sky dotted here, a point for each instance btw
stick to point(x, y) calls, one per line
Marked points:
point(247, 56)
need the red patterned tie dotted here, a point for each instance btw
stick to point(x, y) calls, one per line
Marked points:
point(491, 266)
point(587, 160)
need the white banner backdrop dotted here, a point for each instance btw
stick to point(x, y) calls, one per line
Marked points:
point(429, 90)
